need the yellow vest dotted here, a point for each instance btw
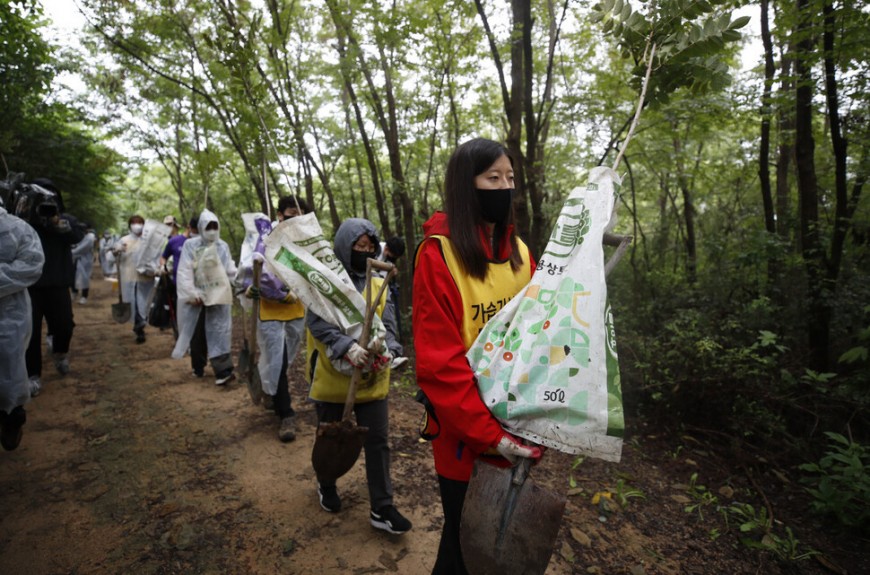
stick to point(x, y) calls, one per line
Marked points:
point(329, 384)
point(481, 299)
point(273, 310)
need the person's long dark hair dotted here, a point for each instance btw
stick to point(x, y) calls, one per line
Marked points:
point(464, 219)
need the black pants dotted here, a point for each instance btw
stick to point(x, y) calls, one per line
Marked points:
point(221, 364)
point(172, 289)
point(55, 305)
point(376, 416)
point(199, 346)
point(282, 396)
point(449, 560)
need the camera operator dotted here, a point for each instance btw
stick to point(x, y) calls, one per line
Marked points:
point(50, 295)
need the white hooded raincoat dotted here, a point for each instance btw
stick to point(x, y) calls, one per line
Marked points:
point(196, 280)
point(21, 260)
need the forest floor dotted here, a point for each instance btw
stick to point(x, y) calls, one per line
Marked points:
point(129, 464)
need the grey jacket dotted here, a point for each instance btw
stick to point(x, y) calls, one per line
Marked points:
point(337, 342)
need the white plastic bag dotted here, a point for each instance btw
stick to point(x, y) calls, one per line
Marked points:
point(154, 236)
point(210, 277)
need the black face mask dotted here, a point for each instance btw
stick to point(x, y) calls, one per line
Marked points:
point(495, 205)
point(358, 260)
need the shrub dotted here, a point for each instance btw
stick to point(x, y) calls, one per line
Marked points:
point(840, 482)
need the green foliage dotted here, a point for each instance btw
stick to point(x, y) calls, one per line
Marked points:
point(755, 527)
point(855, 360)
point(756, 532)
point(699, 367)
point(623, 492)
point(690, 38)
point(25, 67)
point(840, 482)
point(702, 496)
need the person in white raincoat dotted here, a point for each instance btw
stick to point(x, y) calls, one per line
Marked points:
point(205, 297)
point(83, 256)
point(107, 258)
point(21, 260)
point(136, 288)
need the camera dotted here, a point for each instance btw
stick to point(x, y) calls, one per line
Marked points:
point(30, 202)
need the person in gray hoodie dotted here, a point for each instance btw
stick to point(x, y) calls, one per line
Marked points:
point(330, 350)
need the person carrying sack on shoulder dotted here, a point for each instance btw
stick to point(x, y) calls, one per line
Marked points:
point(280, 328)
point(332, 355)
point(470, 264)
point(205, 298)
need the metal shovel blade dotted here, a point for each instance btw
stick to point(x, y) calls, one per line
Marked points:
point(121, 312)
point(255, 385)
point(249, 372)
point(336, 449)
point(509, 524)
point(244, 363)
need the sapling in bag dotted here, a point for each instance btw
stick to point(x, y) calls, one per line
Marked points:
point(546, 363)
point(305, 261)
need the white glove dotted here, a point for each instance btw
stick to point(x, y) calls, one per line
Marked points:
point(375, 344)
point(511, 449)
point(357, 355)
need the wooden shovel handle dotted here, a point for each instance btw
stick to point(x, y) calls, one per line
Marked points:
point(381, 266)
point(258, 267)
point(367, 327)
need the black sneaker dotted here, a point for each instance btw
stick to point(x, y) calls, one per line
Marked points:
point(224, 377)
point(329, 499)
point(10, 428)
point(140, 337)
point(390, 520)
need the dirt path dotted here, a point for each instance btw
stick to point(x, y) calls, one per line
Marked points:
point(131, 465)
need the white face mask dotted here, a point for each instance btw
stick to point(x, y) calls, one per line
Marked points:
point(136, 228)
point(210, 235)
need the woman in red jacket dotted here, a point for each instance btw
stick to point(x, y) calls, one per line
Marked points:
point(470, 264)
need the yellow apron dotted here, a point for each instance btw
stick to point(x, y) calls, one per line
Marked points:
point(330, 385)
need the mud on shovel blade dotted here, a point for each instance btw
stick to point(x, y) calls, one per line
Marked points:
point(248, 357)
point(337, 444)
point(121, 311)
point(509, 524)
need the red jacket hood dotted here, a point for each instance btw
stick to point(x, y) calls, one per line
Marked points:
point(436, 225)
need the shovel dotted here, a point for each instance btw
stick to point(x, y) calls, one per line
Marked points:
point(248, 356)
point(509, 524)
point(337, 444)
point(121, 311)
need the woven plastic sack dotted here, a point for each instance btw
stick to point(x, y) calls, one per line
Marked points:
point(305, 261)
point(546, 363)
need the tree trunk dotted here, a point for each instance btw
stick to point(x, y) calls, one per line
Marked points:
point(766, 113)
point(784, 154)
point(688, 212)
point(818, 316)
